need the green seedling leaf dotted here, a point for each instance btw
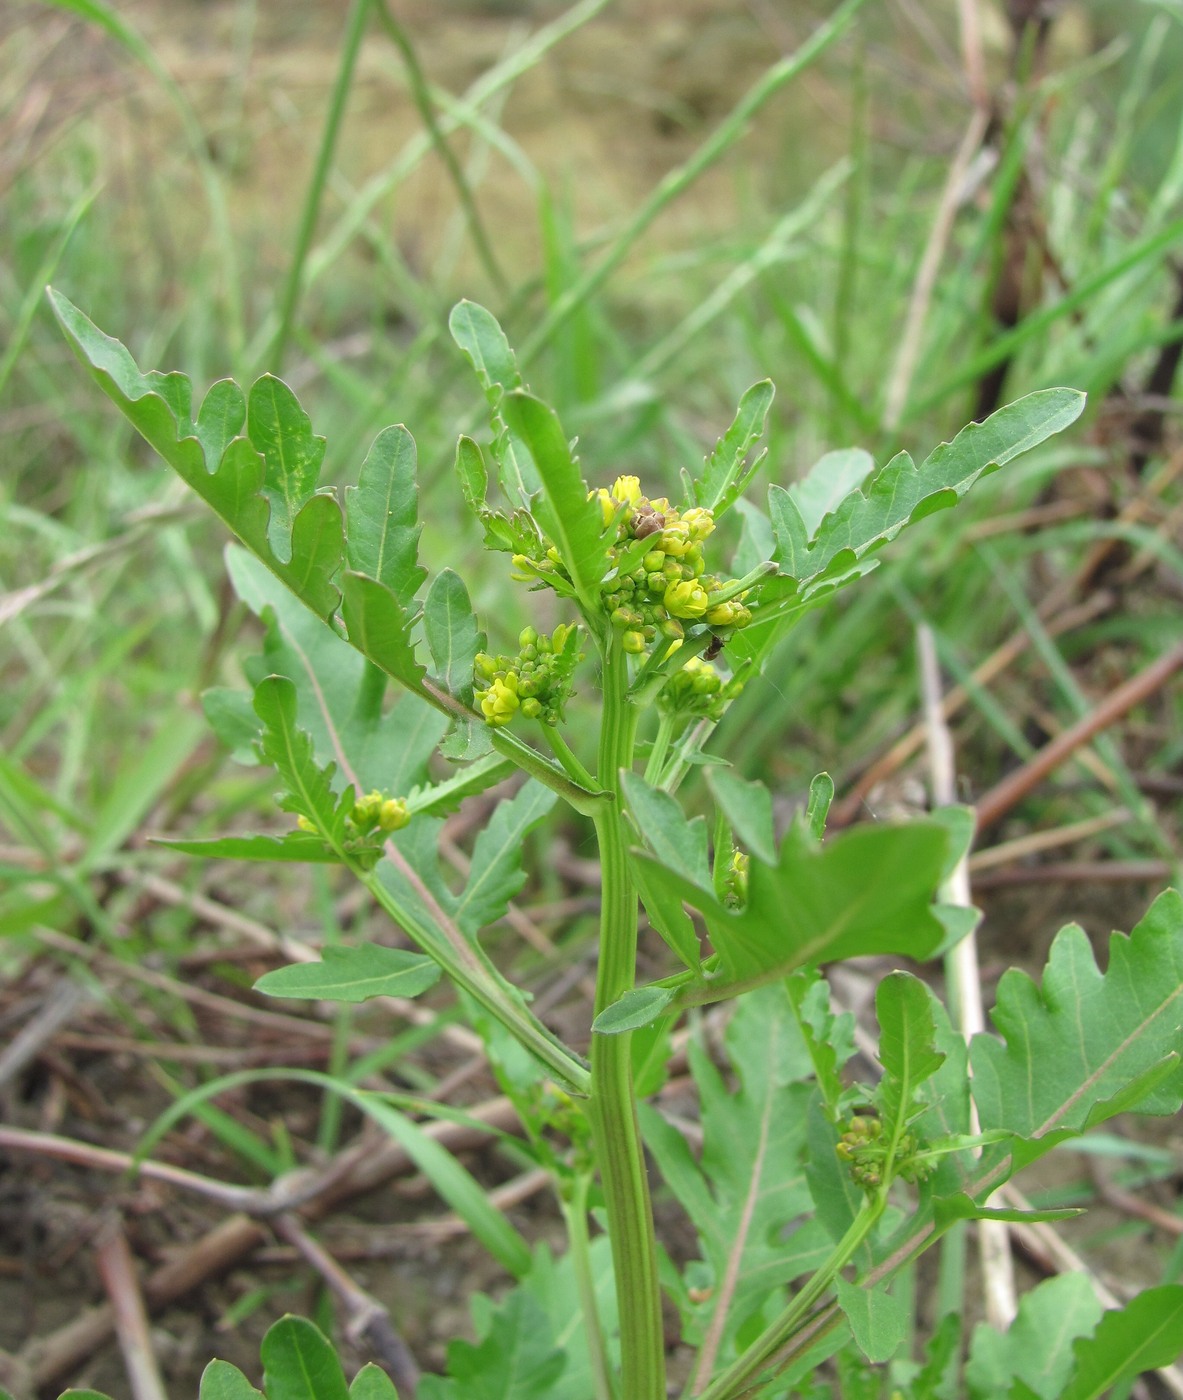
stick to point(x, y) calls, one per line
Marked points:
point(281, 432)
point(72, 1395)
point(292, 847)
point(1143, 1335)
point(372, 1383)
point(635, 1009)
point(866, 890)
point(817, 809)
point(353, 973)
point(453, 637)
point(901, 493)
point(381, 513)
point(572, 520)
point(746, 1195)
point(878, 1321)
point(239, 485)
point(300, 1363)
point(222, 1381)
point(1037, 1347)
point(725, 474)
point(748, 808)
point(1073, 1046)
point(827, 484)
point(515, 1358)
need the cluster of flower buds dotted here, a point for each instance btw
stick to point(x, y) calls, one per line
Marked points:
point(669, 585)
point(373, 817)
point(534, 683)
point(698, 691)
point(862, 1145)
point(736, 879)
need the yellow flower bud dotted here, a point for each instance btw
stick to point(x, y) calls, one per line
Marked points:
point(627, 490)
point(686, 599)
point(393, 814)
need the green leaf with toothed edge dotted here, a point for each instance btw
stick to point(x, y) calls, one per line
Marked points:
point(572, 519)
point(1142, 1336)
point(1073, 1045)
point(353, 973)
point(237, 484)
point(381, 513)
point(901, 493)
point(380, 628)
point(281, 432)
point(726, 473)
point(341, 700)
point(453, 637)
point(746, 1194)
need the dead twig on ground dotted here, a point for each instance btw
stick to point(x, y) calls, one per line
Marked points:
point(129, 1316)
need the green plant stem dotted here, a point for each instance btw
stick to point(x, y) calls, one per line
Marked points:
point(613, 1110)
point(778, 1334)
point(354, 29)
point(661, 748)
point(575, 1217)
point(567, 758)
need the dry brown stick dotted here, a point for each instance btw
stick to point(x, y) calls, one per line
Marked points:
point(1073, 872)
point(900, 379)
point(1007, 852)
point(367, 1322)
point(995, 804)
point(1130, 1204)
point(117, 1270)
point(63, 1002)
point(964, 977)
point(361, 1167)
point(845, 811)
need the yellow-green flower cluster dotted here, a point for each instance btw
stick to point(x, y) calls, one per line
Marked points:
point(698, 691)
point(863, 1146)
point(736, 879)
point(372, 818)
point(669, 587)
point(534, 683)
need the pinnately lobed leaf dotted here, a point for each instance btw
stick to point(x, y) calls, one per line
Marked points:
point(297, 534)
point(901, 493)
point(1073, 1046)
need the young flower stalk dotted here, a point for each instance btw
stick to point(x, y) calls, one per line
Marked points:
point(659, 608)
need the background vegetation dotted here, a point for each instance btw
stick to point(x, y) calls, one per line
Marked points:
point(946, 210)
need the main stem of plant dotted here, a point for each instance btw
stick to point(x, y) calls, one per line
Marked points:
point(616, 1131)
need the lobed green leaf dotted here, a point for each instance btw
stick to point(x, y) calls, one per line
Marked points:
point(725, 474)
point(1074, 1045)
point(222, 1381)
point(381, 512)
point(453, 637)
